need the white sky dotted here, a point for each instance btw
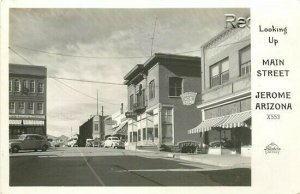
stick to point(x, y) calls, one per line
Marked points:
point(102, 33)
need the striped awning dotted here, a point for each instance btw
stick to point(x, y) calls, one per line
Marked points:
point(26, 122)
point(207, 124)
point(121, 129)
point(237, 120)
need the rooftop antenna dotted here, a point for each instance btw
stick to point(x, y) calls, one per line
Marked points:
point(153, 36)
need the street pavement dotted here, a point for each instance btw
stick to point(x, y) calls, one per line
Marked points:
point(116, 167)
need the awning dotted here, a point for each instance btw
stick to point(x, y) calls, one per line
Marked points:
point(208, 124)
point(121, 129)
point(237, 120)
point(26, 122)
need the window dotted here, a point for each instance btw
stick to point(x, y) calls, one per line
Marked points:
point(21, 105)
point(30, 105)
point(219, 73)
point(32, 86)
point(139, 135)
point(175, 86)
point(167, 125)
point(96, 127)
point(152, 89)
point(245, 60)
point(40, 106)
point(25, 86)
point(40, 87)
point(131, 101)
point(17, 85)
point(10, 85)
point(144, 133)
point(140, 98)
point(12, 105)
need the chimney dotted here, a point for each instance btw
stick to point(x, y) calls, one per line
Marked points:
point(121, 109)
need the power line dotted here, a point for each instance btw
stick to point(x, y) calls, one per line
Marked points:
point(80, 56)
point(20, 55)
point(91, 81)
point(82, 92)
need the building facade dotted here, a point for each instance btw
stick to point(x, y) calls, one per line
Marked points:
point(226, 93)
point(93, 128)
point(155, 110)
point(117, 124)
point(27, 100)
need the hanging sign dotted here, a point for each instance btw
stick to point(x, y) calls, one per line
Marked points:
point(188, 98)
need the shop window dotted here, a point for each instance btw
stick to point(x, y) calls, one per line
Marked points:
point(150, 135)
point(245, 60)
point(17, 85)
point(134, 136)
point(175, 86)
point(156, 131)
point(167, 125)
point(139, 135)
point(144, 133)
point(130, 136)
point(32, 86)
point(219, 73)
point(40, 87)
point(96, 127)
point(152, 89)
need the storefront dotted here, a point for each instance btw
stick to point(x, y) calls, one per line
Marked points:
point(228, 134)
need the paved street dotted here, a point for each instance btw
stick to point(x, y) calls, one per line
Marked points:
point(112, 167)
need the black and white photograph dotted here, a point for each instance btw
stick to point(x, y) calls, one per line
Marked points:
point(129, 97)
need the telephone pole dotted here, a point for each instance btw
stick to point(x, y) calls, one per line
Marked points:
point(153, 36)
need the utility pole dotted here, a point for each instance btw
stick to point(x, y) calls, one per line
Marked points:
point(102, 123)
point(97, 102)
point(153, 36)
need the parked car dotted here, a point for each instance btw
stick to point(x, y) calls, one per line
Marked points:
point(29, 142)
point(217, 144)
point(114, 142)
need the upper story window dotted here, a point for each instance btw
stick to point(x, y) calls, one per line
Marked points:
point(12, 105)
point(10, 85)
point(40, 87)
point(219, 73)
point(131, 102)
point(17, 85)
point(40, 106)
point(21, 105)
point(175, 86)
point(32, 86)
point(152, 89)
point(25, 86)
point(30, 105)
point(140, 98)
point(245, 60)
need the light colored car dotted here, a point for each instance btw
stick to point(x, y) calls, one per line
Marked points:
point(29, 142)
point(113, 142)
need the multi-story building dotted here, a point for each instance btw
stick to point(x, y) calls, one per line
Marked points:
point(27, 99)
point(93, 128)
point(155, 108)
point(226, 92)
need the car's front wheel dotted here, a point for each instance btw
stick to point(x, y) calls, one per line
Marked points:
point(44, 148)
point(15, 149)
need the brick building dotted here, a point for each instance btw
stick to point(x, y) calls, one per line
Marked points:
point(27, 100)
point(226, 92)
point(157, 114)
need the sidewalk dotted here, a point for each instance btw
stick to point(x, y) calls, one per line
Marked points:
point(234, 161)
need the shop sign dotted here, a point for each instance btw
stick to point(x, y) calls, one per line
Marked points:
point(41, 117)
point(188, 98)
point(131, 115)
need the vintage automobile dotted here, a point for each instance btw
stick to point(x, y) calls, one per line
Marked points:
point(29, 142)
point(114, 142)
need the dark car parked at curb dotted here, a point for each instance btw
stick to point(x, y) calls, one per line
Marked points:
point(29, 142)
